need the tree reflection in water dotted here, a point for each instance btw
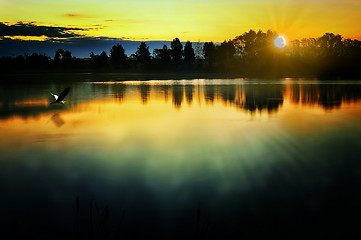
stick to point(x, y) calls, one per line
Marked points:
point(251, 97)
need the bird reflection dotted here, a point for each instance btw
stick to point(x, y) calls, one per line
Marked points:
point(57, 120)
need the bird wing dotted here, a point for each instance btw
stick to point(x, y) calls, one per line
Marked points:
point(63, 94)
point(55, 96)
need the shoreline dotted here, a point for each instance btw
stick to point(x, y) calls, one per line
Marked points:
point(133, 76)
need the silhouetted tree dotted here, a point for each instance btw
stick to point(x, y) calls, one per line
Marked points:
point(189, 55)
point(331, 44)
point(104, 58)
point(225, 56)
point(117, 55)
point(226, 51)
point(163, 54)
point(142, 54)
point(309, 47)
point(92, 55)
point(295, 48)
point(351, 48)
point(209, 52)
point(37, 58)
point(20, 59)
point(61, 55)
point(176, 50)
point(100, 61)
point(254, 44)
point(63, 59)
point(250, 53)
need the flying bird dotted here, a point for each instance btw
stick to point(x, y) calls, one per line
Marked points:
point(60, 98)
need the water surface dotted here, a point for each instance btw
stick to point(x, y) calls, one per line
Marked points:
point(187, 159)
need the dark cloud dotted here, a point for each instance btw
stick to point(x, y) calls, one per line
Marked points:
point(62, 37)
point(30, 29)
point(84, 40)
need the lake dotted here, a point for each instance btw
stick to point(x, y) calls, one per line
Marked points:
point(181, 159)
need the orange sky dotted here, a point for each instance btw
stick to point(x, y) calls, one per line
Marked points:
point(212, 20)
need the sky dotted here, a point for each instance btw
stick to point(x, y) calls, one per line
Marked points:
point(163, 20)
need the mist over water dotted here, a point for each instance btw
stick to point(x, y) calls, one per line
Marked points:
point(181, 159)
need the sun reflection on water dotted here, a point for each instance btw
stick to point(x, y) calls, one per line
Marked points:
point(163, 113)
point(158, 150)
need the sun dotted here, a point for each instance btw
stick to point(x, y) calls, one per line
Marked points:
point(280, 42)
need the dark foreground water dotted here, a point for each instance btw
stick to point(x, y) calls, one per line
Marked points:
point(185, 159)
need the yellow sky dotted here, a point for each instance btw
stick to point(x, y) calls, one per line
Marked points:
point(190, 19)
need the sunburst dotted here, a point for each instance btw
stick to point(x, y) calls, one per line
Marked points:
point(280, 42)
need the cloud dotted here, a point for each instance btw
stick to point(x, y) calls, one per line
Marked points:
point(29, 37)
point(31, 29)
point(74, 15)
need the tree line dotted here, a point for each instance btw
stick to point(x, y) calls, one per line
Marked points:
point(251, 53)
